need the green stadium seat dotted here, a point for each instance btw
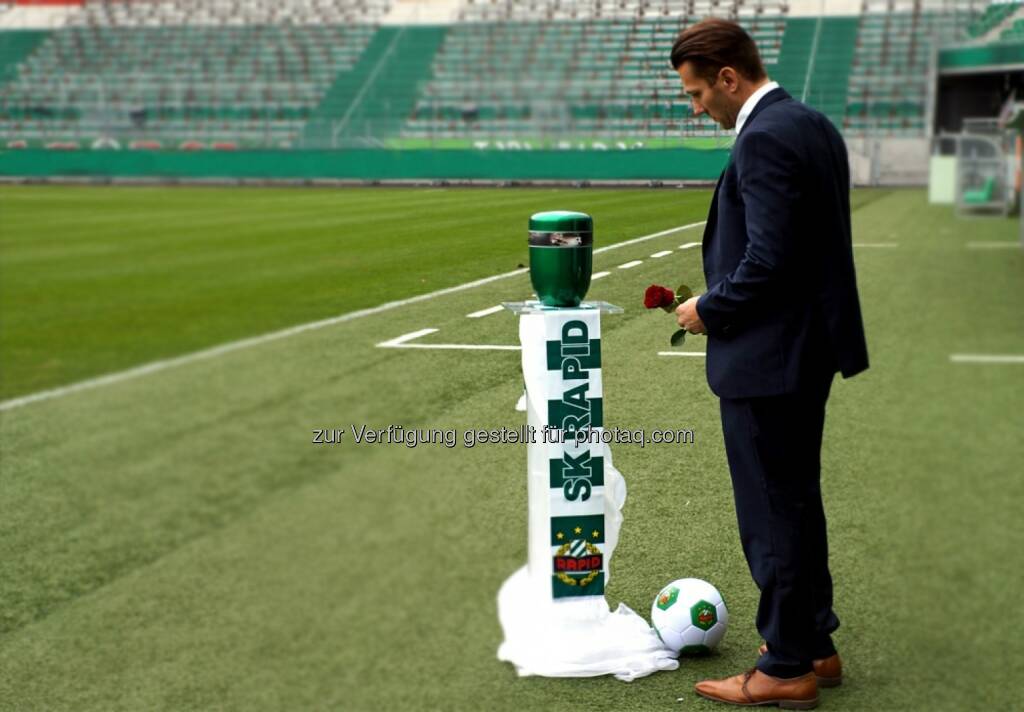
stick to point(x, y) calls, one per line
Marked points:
point(982, 195)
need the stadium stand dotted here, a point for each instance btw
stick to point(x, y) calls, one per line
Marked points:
point(333, 73)
point(249, 84)
point(1013, 33)
point(546, 74)
point(555, 10)
point(888, 83)
point(991, 18)
point(163, 13)
point(369, 104)
point(816, 62)
point(14, 48)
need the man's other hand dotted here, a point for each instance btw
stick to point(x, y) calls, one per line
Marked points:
point(688, 318)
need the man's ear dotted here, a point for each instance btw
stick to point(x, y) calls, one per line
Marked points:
point(730, 79)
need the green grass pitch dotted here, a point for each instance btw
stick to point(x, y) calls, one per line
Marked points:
point(175, 541)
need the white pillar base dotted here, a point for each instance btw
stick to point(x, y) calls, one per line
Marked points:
point(578, 637)
point(575, 637)
point(553, 611)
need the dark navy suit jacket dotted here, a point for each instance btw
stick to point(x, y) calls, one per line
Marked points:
point(781, 308)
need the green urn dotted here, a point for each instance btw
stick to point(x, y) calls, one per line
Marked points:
point(561, 255)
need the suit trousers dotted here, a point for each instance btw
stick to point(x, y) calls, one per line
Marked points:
point(773, 445)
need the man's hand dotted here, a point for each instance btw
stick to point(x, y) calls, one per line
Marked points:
point(688, 318)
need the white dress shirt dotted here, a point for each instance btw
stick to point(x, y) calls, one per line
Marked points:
point(749, 104)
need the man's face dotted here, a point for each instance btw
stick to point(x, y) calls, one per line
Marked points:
point(716, 99)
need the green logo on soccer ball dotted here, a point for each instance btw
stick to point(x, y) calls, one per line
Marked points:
point(703, 615)
point(667, 597)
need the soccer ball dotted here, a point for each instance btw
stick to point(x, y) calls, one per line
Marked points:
point(690, 617)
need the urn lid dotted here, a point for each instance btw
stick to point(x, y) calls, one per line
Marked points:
point(561, 221)
point(561, 228)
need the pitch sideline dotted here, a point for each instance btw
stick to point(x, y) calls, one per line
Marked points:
point(231, 346)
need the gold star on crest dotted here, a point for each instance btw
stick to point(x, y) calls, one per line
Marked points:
point(595, 534)
point(559, 535)
point(578, 530)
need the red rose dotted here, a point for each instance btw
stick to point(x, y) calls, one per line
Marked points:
point(658, 297)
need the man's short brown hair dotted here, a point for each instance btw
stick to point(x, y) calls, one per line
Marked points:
point(715, 43)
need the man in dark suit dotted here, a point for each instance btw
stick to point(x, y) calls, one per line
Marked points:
point(782, 316)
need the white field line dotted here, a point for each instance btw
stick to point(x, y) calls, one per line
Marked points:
point(485, 312)
point(231, 346)
point(463, 347)
point(682, 353)
point(986, 358)
point(993, 245)
point(653, 235)
point(402, 342)
point(398, 341)
point(688, 245)
point(663, 253)
point(631, 265)
point(599, 275)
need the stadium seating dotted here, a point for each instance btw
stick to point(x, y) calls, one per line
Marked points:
point(221, 13)
point(572, 10)
point(1013, 33)
point(253, 84)
point(586, 78)
point(982, 195)
point(369, 104)
point(14, 48)
point(229, 73)
point(326, 73)
point(578, 70)
point(994, 14)
point(888, 84)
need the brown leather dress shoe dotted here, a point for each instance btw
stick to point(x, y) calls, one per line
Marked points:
point(753, 687)
point(829, 671)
